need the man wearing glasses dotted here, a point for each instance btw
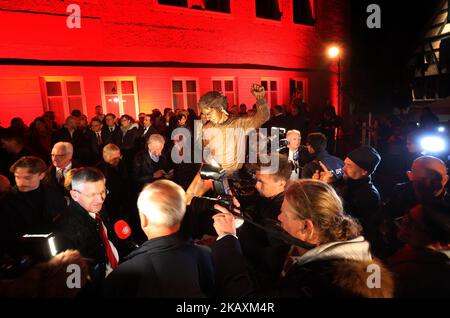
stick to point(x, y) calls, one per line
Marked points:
point(62, 162)
point(84, 225)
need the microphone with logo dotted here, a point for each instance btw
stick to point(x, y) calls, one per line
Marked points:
point(123, 232)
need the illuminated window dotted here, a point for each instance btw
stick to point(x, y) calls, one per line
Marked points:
point(184, 93)
point(304, 12)
point(119, 95)
point(268, 9)
point(178, 3)
point(227, 87)
point(271, 88)
point(298, 88)
point(62, 95)
point(218, 5)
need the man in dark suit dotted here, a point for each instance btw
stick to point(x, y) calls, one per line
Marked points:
point(167, 264)
point(99, 114)
point(62, 162)
point(111, 130)
point(96, 141)
point(67, 133)
point(117, 182)
point(84, 225)
point(145, 131)
point(151, 164)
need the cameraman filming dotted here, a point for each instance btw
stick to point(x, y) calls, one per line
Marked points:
point(264, 252)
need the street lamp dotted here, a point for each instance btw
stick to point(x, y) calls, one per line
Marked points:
point(334, 52)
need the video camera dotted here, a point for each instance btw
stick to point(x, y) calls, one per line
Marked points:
point(240, 185)
point(31, 250)
point(277, 138)
point(222, 187)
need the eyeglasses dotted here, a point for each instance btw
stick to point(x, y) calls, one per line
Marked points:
point(103, 194)
point(58, 155)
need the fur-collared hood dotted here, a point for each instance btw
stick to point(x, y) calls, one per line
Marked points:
point(356, 249)
point(351, 269)
point(125, 129)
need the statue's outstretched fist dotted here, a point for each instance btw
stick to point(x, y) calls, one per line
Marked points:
point(258, 91)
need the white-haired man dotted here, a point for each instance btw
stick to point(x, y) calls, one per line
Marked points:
point(150, 164)
point(62, 162)
point(297, 154)
point(168, 264)
point(85, 226)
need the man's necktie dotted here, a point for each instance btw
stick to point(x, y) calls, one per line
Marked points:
point(109, 253)
point(60, 176)
point(99, 139)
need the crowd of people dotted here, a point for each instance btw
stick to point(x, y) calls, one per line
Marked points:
point(322, 221)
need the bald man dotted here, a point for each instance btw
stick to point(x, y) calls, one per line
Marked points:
point(427, 180)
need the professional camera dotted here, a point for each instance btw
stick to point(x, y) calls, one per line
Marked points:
point(277, 139)
point(241, 185)
point(239, 189)
point(31, 250)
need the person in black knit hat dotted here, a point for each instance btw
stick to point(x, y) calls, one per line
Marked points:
point(366, 158)
point(360, 196)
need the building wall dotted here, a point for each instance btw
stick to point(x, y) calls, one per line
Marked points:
point(22, 95)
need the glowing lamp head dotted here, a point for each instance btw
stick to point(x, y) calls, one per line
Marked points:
point(333, 52)
point(441, 129)
point(433, 144)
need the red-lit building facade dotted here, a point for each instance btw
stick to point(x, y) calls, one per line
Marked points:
point(133, 56)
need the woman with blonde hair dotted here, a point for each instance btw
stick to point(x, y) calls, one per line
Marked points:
point(339, 264)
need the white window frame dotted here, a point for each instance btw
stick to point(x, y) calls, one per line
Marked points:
point(184, 86)
point(279, 90)
point(305, 87)
point(63, 80)
point(313, 12)
point(276, 22)
point(119, 92)
point(222, 80)
point(188, 9)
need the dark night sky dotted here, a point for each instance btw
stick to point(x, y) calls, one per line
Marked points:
point(378, 79)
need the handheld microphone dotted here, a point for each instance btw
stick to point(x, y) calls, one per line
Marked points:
point(122, 229)
point(123, 232)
